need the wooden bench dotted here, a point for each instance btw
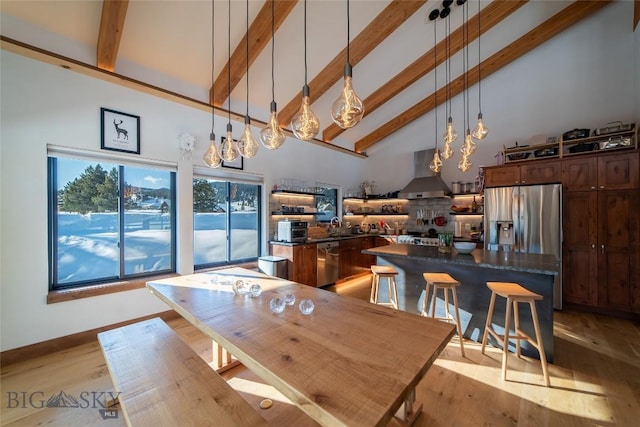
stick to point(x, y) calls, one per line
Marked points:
point(162, 381)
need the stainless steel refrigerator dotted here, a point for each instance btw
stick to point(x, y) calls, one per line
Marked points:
point(528, 220)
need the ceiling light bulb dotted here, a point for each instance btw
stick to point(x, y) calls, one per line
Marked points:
point(247, 144)
point(464, 164)
point(347, 110)
point(468, 147)
point(272, 135)
point(481, 131)
point(211, 157)
point(447, 151)
point(228, 150)
point(305, 124)
point(450, 134)
point(436, 162)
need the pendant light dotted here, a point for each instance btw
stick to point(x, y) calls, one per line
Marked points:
point(347, 110)
point(468, 146)
point(272, 135)
point(305, 124)
point(450, 135)
point(436, 162)
point(480, 131)
point(228, 150)
point(211, 157)
point(247, 144)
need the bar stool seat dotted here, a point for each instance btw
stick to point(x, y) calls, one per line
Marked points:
point(514, 293)
point(384, 272)
point(447, 283)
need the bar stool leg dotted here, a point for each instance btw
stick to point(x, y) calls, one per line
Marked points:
point(460, 336)
point(425, 301)
point(446, 304)
point(374, 289)
point(505, 347)
point(434, 297)
point(395, 292)
point(543, 357)
point(488, 324)
point(516, 321)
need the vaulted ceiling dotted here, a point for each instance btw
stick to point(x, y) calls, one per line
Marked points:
point(167, 46)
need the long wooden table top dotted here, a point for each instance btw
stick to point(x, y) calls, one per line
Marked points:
point(349, 363)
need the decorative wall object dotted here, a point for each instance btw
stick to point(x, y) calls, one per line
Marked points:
point(119, 131)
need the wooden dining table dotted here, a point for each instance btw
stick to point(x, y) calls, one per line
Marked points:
point(348, 363)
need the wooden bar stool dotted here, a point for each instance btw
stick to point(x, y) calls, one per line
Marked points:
point(447, 283)
point(383, 271)
point(514, 293)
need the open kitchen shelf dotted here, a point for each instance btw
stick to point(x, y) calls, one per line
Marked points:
point(293, 213)
point(376, 214)
point(612, 141)
point(299, 193)
point(466, 213)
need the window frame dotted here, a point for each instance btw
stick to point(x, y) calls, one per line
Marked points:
point(228, 242)
point(52, 219)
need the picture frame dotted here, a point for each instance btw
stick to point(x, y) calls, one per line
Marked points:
point(238, 163)
point(119, 131)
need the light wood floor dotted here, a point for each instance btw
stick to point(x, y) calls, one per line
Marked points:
point(595, 380)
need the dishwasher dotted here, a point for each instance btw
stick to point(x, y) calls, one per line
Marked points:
point(328, 263)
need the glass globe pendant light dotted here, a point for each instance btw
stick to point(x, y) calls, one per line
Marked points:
point(228, 150)
point(481, 130)
point(305, 124)
point(247, 144)
point(272, 136)
point(211, 157)
point(348, 109)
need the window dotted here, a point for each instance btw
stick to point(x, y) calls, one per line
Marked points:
point(327, 203)
point(109, 222)
point(226, 222)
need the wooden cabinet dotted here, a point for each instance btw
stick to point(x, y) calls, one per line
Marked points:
point(535, 172)
point(347, 257)
point(604, 172)
point(601, 225)
point(302, 261)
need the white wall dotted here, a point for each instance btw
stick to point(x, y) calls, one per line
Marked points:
point(42, 104)
point(582, 78)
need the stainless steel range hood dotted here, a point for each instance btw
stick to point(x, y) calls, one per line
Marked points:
point(426, 184)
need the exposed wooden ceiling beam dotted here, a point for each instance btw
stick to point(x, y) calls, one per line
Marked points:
point(534, 38)
point(111, 25)
point(260, 34)
point(491, 16)
point(636, 14)
point(380, 28)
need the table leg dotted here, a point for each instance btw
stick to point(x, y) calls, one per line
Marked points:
point(407, 414)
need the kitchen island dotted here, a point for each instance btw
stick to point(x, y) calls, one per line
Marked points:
point(533, 271)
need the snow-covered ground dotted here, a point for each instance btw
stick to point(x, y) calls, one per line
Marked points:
point(88, 244)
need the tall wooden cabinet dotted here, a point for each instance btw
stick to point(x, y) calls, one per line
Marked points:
point(601, 225)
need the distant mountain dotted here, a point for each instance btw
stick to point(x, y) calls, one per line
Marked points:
point(62, 400)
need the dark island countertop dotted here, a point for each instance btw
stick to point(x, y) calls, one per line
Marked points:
point(529, 263)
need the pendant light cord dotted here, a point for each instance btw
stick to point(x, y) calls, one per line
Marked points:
point(348, 31)
point(213, 76)
point(229, 65)
point(273, 85)
point(305, 42)
point(435, 77)
point(448, 28)
point(479, 76)
point(247, 53)
point(465, 9)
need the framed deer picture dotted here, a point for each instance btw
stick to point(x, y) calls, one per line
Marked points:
point(119, 131)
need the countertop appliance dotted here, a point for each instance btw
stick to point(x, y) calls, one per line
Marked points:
point(328, 263)
point(526, 219)
point(292, 231)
